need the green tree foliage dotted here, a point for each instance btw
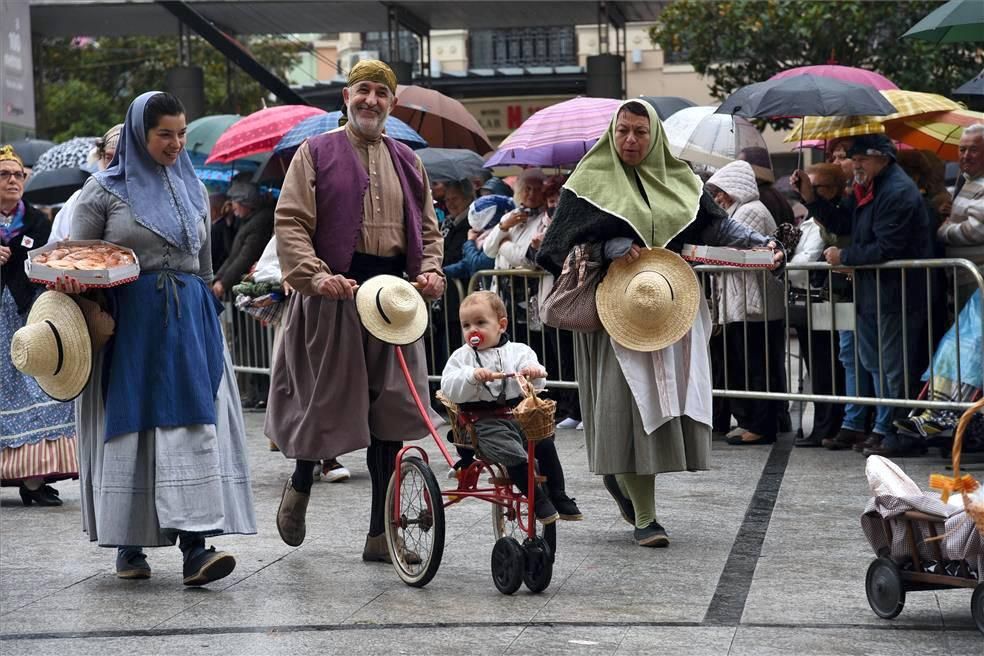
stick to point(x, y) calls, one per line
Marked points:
point(746, 41)
point(83, 86)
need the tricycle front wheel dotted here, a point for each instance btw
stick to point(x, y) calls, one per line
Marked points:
point(415, 530)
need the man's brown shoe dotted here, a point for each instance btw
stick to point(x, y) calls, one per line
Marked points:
point(290, 515)
point(873, 441)
point(845, 439)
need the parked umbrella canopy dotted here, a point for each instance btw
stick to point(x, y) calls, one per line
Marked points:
point(805, 95)
point(259, 132)
point(957, 21)
point(54, 186)
point(315, 125)
point(557, 136)
point(907, 104)
point(972, 87)
point(30, 150)
point(667, 106)
point(700, 136)
point(849, 74)
point(939, 132)
point(445, 164)
point(442, 121)
point(73, 153)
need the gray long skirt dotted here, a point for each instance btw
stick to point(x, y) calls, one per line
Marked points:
point(616, 441)
point(141, 489)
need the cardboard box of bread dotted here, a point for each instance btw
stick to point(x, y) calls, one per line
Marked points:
point(93, 263)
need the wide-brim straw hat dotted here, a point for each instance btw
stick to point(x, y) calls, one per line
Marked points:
point(392, 310)
point(54, 346)
point(650, 303)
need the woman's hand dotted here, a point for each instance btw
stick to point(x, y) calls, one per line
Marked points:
point(66, 285)
point(778, 256)
point(4, 255)
point(514, 218)
point(631, 255)
point(800, 181)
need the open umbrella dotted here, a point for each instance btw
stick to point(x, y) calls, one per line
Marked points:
point(558, 135)
point(955, 22)
point(667, 106)
point(972, 87)
point(69, 154)
point(259, 132)
point(315, 125)
point(444, 164)
point(699, 135)
point(843, 73)
point(442, 121)
point(939, 132)
point(805, 95)
point(54, 185)
point(30, 150)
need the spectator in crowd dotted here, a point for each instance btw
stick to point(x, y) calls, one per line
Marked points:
point(963, 231)
point(752, 312)
point(837, 154)
point(883, 214)
point(495, 187)
point(437, 193)
point(255, 219)
point(483, 215)
point(509, 241)
point(223, 229)
point(772, 198)
point(458, 196)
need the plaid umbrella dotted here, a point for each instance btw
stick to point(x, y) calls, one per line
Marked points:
point(315, 125)
point(907, 104)
point(939, 132)
point(558, 135)
point(73, 153)
point(259, 132)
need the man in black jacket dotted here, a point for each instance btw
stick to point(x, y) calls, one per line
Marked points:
point(887, 220)
point(255, 229)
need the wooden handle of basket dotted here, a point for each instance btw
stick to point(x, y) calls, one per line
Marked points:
point(526, 385)
point(958, 435)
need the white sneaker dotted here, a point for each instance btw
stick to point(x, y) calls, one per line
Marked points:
point(453, 474)
point(335, 472)
point(580, 425)
point(570, 422)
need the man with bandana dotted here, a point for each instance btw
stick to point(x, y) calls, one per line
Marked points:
point(354, 204)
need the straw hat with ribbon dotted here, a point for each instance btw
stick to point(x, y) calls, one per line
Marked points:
point(650, 303)
point(392, 310)
point(54, 346)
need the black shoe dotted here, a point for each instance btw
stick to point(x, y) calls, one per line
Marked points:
point(43, 496)
point(897, 447)
point(208, 565)
point(845, 439)
point(131, 563)
point(653, 535)
point(748, 438)
point(624, 503)
point(544, 509)
point(808, 441)
point(871, 443)
point(566, 507)
point(785, 422)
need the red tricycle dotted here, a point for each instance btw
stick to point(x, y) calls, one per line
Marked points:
point(415, 504)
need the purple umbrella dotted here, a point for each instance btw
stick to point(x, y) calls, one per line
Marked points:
point(558, 135)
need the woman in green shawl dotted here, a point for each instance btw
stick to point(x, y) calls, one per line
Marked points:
point(643, 415)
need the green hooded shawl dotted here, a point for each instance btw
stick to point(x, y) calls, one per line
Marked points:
point(673, 191)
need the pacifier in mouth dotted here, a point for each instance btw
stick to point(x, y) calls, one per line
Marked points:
point(474, 338)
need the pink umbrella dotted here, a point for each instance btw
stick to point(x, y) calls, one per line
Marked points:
point(557, 135)
point(259, 132)
point(842, 73)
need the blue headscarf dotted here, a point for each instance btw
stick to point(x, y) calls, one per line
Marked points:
point(167, 200)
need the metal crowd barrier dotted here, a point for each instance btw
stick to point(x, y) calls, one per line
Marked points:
point(251, 344)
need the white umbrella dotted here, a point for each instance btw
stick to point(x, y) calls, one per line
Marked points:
point(700, 136)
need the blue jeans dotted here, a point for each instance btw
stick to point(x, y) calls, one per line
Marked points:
point(889, 382)
point(855, 416)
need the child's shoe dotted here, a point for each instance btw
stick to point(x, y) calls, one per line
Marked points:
point(566, 508)
point(544, 509)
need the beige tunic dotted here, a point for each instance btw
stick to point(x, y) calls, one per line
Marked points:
point(383, 232)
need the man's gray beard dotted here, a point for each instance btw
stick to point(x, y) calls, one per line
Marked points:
point(378, 127)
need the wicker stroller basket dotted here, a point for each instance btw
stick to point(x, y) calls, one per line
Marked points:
point(534, 414)
point(965, 484)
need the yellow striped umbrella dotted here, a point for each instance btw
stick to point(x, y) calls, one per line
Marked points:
point(939, 132)
point(908, 104)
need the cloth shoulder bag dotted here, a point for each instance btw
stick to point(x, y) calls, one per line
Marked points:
point(571, 303)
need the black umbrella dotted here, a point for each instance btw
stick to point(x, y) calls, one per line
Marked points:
point(445, 164)
point(805, 95)
point(30, 150)
point(667, 106)
point(972, 87)
point(54, 186)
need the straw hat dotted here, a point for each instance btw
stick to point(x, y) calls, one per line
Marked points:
point(650, 303)
point(54, 346)
point(392, 310)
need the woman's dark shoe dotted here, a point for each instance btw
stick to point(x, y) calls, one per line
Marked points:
point(206, 565)
point(809, 441)
point(43, 496)
point(748, 438)
point(653, 535)
point(131, 563)
point(566, 507)
point(845, 439)
point(624, 503)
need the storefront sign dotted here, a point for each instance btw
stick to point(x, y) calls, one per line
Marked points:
point(16, 72)
point(500, 116)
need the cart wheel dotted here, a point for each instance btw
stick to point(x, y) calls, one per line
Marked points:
point(415, 538)
point(508, 563)
point(504, 524)
point(883, 585)
point(539, 564)
point(977, 606)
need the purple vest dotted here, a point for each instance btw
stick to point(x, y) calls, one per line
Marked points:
point(341, 184)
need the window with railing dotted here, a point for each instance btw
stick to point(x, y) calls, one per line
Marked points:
point(530, 46)
point(407, 46)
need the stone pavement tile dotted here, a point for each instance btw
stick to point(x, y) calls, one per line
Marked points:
point(677, 641)
point(852, 641)
point(588, 640)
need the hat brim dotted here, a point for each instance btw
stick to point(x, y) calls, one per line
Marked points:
point(390, 333)
point(672, 325)
point(76, 367)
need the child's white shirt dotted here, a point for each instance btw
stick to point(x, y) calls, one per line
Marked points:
point(458, 378)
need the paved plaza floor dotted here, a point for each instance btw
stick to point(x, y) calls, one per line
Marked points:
point(766, 557)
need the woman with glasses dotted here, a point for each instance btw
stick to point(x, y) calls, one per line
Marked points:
point(37, 433)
